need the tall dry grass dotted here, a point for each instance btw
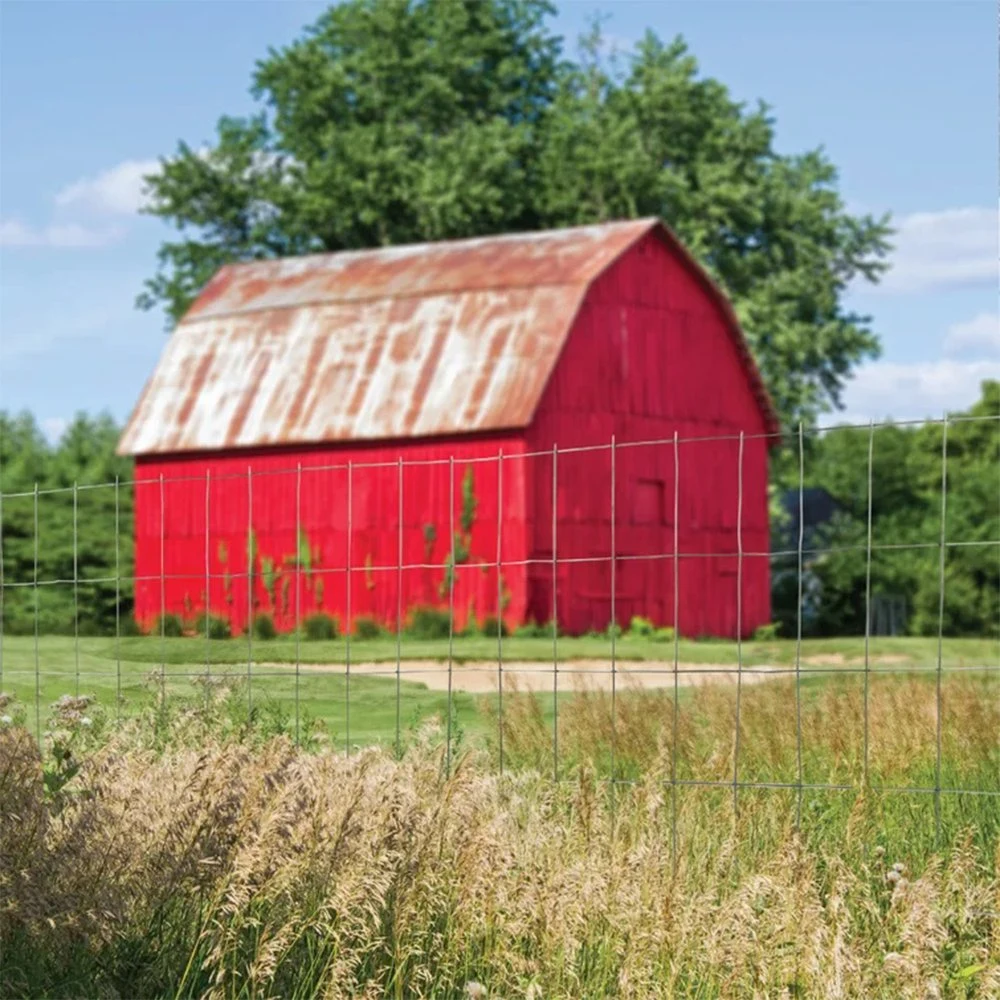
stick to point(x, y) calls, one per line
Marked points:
point(240, 869)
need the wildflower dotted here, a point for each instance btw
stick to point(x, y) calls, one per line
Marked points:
point(6, 720)
point(86, 720)
point(534, 992)
point(475, 991)
point(892, 876)
point(932, 991)
point(879, 851)
point(899, 867)
point(900, 886)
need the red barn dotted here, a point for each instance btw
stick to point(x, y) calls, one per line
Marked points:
point(325, 432)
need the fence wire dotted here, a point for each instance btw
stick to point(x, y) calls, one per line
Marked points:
point(575, 545)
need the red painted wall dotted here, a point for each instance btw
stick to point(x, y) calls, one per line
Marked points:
point(650, 355)
point(173, 576)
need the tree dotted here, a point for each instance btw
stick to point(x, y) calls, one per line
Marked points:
point(905, 467)
point(394, 121)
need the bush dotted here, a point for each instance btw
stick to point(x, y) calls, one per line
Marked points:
point(320, 628)
point(213, 627)
point(429, 623)
point(640, 627)
point(490, 625)
point(614, 629)
point(664, 635)
point(263, 628)
point(367, 628)
point(169, 626)
point(766, 633)
point(532, 630)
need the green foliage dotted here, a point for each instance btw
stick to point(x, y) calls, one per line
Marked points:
point(614, 630)
point(492, 624)
point(214, 626)
point(906, 509)
point(766, 633)
point(530, 629)
point(264, 628)
point(429, 623)
point(664, 635)
point(641, 627)
point(367, 628)
point(85, 455)
point(169, 626)
point(389, 123)
point(320, 628)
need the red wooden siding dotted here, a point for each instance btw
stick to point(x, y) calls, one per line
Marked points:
point(323, 517)
point(650, 355)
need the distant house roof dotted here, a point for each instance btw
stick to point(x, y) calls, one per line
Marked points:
point(411, 341)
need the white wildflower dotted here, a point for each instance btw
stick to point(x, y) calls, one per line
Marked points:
point(6, 720)
point(893, 960)
point(475, 991)
point(899, 867)
point(879, 851)
point(892, 876)
point(86, 720)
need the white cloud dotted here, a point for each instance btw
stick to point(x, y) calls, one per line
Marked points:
point(977, 336)
point(119, 190)
point(17, 234)
point(54, 428)
point(953, 248)
point(919, 391)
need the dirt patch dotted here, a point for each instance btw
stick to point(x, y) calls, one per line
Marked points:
point(839, 660)
point(482, 678)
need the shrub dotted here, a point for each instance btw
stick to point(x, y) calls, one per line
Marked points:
point(169, 626)
point(641, 627)
point(213, 627)
point(367, 628)
point(490, 625)
point(664, 635)
point(320, 627)
point(532, 630)
point(429, 623)
point(263, 628)
point(614, 629)
point(766, 633)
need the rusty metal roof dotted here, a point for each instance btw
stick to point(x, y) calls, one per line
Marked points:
point(413, 341)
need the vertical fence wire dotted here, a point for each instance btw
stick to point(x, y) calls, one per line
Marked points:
point(675, 708)
point(207, 611)
point(163, 594)
point(500, 607)
point(76, 591)
point(38, 658)
point(251, 567)
point(3, 620)
point(940, 636)
point(349, 624)
point(298, 603)
point(868, 597)
point(739, 626)
point(555, 612)
point(613, 628)
point(118, 602)
point(399, 604)
point(799, 770)
point(451, 603)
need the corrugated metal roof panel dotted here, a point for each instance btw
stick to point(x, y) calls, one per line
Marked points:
point(415, 341)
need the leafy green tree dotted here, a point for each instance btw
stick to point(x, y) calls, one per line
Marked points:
point(907, 515)
point(393, 121)
point(82, 534)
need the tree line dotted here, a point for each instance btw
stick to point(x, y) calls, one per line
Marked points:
point(86, 533)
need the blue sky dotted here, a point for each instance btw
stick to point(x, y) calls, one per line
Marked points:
point(903, 96)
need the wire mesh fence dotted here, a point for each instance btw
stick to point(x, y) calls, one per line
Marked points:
point(631, 575)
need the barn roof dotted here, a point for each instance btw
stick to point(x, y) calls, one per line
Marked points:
point(411, 341)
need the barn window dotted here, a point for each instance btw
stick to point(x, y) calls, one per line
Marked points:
point(648, 502)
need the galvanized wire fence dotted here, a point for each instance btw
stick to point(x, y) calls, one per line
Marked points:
point(550, 549)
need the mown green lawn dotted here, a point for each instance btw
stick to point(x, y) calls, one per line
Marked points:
point(136, 667)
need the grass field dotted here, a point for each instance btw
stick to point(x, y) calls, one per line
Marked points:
point(136, 666)
point(193, 851)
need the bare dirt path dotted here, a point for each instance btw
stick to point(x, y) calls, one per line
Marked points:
point(481, 677)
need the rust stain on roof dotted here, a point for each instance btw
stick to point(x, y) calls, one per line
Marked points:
point(410, 341)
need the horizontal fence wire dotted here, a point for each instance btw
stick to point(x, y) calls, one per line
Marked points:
point(655, 512)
